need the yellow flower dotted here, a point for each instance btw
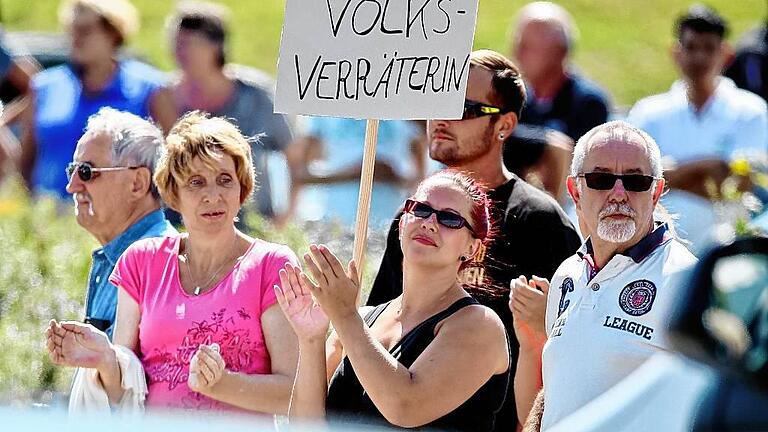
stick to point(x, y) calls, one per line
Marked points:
point(9, 207)
point(741, 167)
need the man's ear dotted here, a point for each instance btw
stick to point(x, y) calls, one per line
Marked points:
point(142, 182)
point(573, 191)
point(506, 124)
point(658, 190)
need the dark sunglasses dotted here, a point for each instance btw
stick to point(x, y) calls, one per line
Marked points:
point(445, 218)
point(474, 109)
point(606, 181)
point(87, 172)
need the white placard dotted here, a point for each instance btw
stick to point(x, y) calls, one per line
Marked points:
point(383, 59)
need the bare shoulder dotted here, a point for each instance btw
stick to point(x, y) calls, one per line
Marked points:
point(475, 321)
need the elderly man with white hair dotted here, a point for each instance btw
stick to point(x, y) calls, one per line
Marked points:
point(607, 310)
point(110, 180)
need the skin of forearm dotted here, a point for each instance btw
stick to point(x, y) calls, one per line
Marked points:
point(310, 387)
point(262, 393)
point(111, 376)
point(528, 381)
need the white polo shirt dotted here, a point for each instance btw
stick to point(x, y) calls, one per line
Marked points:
point(603, 326)
point(734, 122)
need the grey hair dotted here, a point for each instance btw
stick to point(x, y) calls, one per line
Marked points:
point(619, 130)
point(552, 14)
point(135, 141)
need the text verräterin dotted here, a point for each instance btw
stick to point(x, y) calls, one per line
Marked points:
point(353, 79)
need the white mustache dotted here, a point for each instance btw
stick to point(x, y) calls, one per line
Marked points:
point(84, 197)
point(617, 208)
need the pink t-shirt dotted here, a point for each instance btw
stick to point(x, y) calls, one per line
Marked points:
point(174, 324)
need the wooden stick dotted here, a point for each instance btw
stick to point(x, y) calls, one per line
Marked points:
point(364, 198)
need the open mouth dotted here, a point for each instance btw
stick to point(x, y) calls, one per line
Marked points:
point(213, 215)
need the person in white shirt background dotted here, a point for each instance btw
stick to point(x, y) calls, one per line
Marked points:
point(608, 304)
point(701, 124)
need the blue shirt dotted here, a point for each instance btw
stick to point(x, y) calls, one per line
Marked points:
point(101, 303)
point(5, 61)
point(62, 109)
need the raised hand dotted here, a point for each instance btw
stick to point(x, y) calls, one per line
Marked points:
point(294, 296)
point(76, 344)
point(206, 368)
point(336, 290)
point(528, 303)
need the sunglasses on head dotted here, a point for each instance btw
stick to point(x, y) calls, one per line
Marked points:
point(606, 181)
point(474, 109)
point(87, 172)
point(445, 218)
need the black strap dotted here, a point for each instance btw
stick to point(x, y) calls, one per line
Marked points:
point(374, 313)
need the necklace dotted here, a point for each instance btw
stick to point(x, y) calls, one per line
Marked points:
point(199, 287)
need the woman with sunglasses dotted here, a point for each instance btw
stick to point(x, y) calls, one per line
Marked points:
point(198, 309)
point(432, 357)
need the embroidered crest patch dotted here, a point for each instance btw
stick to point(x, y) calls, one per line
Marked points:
point(637, 298)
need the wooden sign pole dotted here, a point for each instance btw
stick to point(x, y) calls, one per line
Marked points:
point(364, 198)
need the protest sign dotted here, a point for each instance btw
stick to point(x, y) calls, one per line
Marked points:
point(375, 59)
point(382, 59)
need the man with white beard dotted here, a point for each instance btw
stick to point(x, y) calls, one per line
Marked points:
point(610, 302)
point(115, 198)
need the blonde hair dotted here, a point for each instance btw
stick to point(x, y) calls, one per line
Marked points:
point(120, 14)
point(197, 134)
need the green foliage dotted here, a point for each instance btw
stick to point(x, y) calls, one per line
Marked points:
point(43, 269)
point(623, 45)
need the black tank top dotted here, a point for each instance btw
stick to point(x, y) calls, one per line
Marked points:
point(347, 400)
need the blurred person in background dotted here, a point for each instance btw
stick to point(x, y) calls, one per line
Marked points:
point(205, 82)
point(17, 71)
point(701, 124)
point(198, 309)
point(110, 179)
point(749, 68)
point(328, 156)
point(64, 97)
point(559, 98)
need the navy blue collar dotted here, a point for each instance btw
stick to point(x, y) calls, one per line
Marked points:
point(119, 244)
point(641, 249)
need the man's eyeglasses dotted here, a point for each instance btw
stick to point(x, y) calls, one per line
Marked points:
point(474, 109)
point(87, 172)
point(445, 218)
point(606, 181)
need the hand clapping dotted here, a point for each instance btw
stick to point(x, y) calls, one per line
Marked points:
point(309, 305)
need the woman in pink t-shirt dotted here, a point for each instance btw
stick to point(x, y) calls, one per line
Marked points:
point(199, 309)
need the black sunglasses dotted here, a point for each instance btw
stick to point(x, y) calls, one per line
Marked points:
point(474, 109)
point(445, 218)
point(606, 181)
point(87, 172)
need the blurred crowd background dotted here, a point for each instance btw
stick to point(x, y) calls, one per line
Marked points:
point(224, 63)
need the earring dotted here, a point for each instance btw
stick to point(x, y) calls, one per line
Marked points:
point(501, 136)
point(463, 258)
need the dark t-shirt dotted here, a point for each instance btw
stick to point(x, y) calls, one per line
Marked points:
point(533, 237)
point(749, 69)
point(578, 107)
